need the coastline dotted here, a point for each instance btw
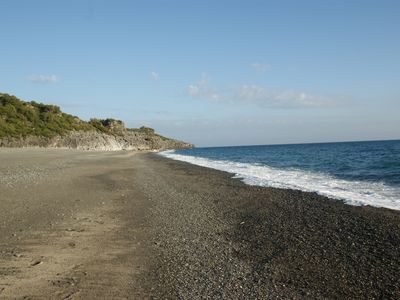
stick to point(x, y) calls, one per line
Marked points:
point(335, 170)
point(126, 224)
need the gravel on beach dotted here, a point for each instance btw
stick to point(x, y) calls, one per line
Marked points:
point(219, 238)
point(137, 225)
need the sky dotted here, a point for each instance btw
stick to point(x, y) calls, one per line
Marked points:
point(213, 73)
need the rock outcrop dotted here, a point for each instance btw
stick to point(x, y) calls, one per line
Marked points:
point(93, 140)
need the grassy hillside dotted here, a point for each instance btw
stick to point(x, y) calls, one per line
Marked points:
point(19, 119)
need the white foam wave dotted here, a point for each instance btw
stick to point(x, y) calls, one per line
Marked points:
point(351, 192)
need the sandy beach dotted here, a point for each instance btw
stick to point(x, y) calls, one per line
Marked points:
point(126, 225)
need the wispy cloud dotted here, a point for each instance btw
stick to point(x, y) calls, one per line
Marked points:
point(260, 67)
point(266, 97)
point(258, 95)
point(44, 79)
point(201, 90)
point(154, 75)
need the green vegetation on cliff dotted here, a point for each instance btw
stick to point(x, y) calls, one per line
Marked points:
point(20, 119)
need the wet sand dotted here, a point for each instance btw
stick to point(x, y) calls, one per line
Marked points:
point(124, 225)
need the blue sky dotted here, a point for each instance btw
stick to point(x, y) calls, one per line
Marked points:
point(212, 72)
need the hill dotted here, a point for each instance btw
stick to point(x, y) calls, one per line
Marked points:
point(33, 124)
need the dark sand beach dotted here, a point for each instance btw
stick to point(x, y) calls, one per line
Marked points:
point(125, 225)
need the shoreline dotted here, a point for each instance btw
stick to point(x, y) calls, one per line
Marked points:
point(136, 225)
point(293, 190)
point(356, 192)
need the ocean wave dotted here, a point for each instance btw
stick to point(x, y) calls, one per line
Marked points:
point(376, 194)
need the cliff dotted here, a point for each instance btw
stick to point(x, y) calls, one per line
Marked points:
point(32, 124)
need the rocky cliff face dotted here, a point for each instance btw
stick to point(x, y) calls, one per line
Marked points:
point(93, 140)
point(32, 124)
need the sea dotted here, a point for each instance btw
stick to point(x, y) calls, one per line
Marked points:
point(359, 173)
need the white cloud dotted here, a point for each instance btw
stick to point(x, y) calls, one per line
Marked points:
point(266, 97)
point(45, 79)
point(258, 95)
point(154, 75)
point(260, 67)
point(201, 90)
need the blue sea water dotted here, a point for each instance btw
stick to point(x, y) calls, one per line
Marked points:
point(360, 173)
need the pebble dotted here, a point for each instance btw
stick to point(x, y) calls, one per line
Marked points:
point(36, 263)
